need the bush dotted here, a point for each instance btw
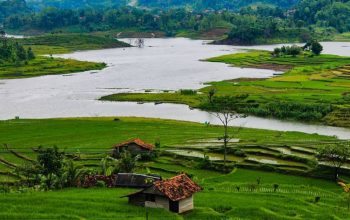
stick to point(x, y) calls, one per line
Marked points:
point(188, 92)
point(291, 110)
point(205, 163)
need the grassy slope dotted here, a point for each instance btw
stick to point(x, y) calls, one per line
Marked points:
point(101, 133)
point(319, 79)
point(53, 44)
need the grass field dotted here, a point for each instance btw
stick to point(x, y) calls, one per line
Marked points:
point(308, 81)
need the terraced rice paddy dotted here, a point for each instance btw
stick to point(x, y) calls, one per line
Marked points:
point(240, 194)
point(92, 139)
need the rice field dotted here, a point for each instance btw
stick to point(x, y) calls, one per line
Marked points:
point(247, 192)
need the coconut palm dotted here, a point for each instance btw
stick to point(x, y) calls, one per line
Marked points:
point(73, 174)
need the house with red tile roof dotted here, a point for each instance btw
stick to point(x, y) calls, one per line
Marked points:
point(174, 194)
point(134, 146)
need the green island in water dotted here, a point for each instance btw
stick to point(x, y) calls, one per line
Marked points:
point(44, 46)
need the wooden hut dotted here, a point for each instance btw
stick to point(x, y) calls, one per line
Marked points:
point(134, 146)
point(174, 194)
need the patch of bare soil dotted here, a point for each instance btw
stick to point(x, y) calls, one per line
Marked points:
point(215, 33)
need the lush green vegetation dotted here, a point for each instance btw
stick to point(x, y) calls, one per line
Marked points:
point(326, 13)
point(14, 52)
point(215, 4)
point(251, 25)
point(10, 7)
point(250, 22)
point(91, 138)
point(313, 88)
point(71, 4)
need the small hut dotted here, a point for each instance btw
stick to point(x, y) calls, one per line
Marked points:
point(174, 194)
point(134, 146)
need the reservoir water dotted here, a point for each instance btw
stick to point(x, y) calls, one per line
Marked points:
point(163, 64)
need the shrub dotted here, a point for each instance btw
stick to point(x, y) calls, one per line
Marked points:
point(205, 163)
point(317, 199)
point(252, 187)
point(291, 110)
point(188, 92)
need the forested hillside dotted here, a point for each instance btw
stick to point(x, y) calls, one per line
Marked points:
point(246, 22)
point(324, 13)
point(10, 7)
point(74, 4)
point(215, 4)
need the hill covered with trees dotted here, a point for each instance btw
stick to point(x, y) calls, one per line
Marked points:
point(215, 4)
point(74, 4)
point(244, 22)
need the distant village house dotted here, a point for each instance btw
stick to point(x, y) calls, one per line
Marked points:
point(134, 146)
point(174, 194)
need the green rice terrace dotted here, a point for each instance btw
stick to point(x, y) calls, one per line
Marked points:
point(268, 175)
point(311, 89)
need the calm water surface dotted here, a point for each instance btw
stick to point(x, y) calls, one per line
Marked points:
point(163, 64)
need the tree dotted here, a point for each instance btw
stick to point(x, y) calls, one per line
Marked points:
point(73, 174)
point(277, 51)
point(127, 162)
point(294, 50)
point(30, 54)
point(335, 156)
point(30, 172)
point(2, 33)
point(211, 94)
point(316, 48)
point(51, 162)
point(225, 112)
point(109, 166)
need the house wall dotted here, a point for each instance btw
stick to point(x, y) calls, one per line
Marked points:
point(186, 204)
point(136, 149)
point(160, 202)
point(133, 148)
